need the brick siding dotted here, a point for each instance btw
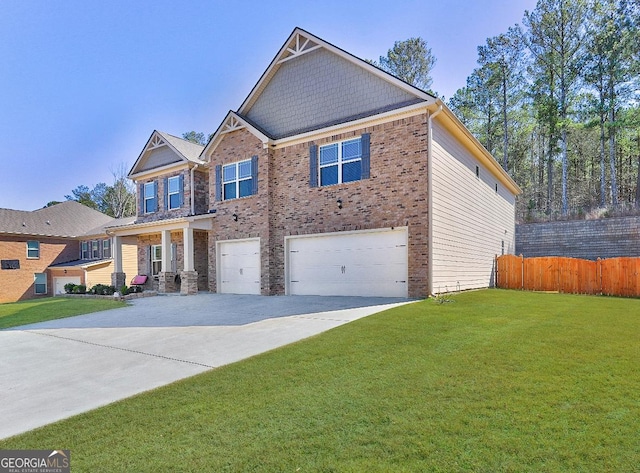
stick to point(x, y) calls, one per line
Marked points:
point(395, 195)
point(17, 284)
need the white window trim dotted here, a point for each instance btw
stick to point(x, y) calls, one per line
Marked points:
point(146, 198)
point(95, 249)
point(35, 287)
point(237, 179)
point(33, 249)
point(155, 259)
point(339, 163)
point(84, 250)
point(106, 243)
point(169, 193)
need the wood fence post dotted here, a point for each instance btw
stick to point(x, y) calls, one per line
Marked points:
point(599, 275)
point(521, 272)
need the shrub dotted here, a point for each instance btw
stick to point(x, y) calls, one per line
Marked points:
point(102, 290)
point(69, 288)
point(80, 289)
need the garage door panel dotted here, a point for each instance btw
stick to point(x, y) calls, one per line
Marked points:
point(360, 263)
point(239, 267)
point(59, 282)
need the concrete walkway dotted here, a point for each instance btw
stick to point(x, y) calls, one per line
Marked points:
point(53, 370)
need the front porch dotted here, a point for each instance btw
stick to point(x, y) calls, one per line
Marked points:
point(171, 253)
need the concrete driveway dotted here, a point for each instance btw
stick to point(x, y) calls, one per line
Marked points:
point(53, 370)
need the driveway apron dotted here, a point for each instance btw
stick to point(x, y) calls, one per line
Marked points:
point(52, 370)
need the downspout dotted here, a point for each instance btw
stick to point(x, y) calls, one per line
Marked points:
point(193, 185)
point(430, 197)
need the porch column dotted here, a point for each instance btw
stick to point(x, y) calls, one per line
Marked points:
point(166, 251)
point(117, 254)
point(118, 277)
point(189, 275)
point(166, 278)
point(188, 249)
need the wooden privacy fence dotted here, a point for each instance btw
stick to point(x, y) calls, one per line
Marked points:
point(613, 276)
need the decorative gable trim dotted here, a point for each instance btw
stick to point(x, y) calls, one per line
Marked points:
point(158, 140)
point(232, 122)
point(155, 142)
point(301, 42)
point(299, 45)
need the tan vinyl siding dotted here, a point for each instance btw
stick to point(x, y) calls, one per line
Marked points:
point(99, 274)
point(130, 258)
point(159, 157)
point(470, 220)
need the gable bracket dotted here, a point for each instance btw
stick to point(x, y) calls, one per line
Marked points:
point(232, 124)
point(302, 45)
point(156, 142)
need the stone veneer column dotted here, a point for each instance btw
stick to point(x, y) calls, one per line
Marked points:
point(189, 283)
point(118, 280)
point(166, 282)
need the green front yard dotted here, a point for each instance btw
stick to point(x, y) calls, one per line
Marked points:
point(28, 312)
point(496, 381)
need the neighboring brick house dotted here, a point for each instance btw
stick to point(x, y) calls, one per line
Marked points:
point(41, 251)
point(333, 177)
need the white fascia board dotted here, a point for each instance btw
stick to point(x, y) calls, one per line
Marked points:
point(462, 133)
point(161, 170)
point(222, 130)
point(197, 222)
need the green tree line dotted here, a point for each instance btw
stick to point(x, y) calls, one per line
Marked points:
point(556, 101)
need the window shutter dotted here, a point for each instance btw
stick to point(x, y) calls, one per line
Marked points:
point(141, 195)
point(148, 255)
point(366, 156)
point(254, 175)
point(181, 189)
point(174, 257)
point(166, 193)
point(155, 193)
point(313, 165)
point(218, 182)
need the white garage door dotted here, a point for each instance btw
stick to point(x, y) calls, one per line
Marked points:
point(239, 266)
point(365, 263)
point(58, 283)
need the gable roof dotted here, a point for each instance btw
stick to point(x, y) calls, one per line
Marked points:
point(68, 219)
point(179, 151)
point(312, 85)
point(281, 108)
point(301, 42)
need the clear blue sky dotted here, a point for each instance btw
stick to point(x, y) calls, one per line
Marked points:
point(84, 83)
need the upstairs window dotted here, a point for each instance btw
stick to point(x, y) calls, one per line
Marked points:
point(174, 192)
point(85, 250)
point(106, 248)
point(95, 249)
point(149, 197)
point(341, 162)
point(237, 180)
point(33, 249)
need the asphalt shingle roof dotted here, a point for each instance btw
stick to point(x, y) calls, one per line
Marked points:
point(188, 149)
point(66, 219)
